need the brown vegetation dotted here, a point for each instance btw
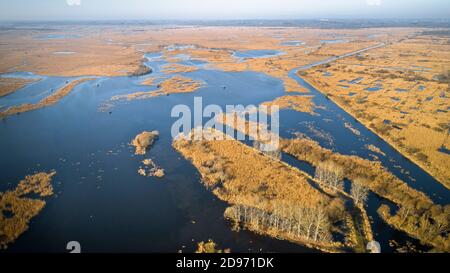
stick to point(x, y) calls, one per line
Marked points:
point(10, 85)
point(178, 68)
point(96, 52)
point(144, 141)
point(16, 209)
point(429, 225)
point(173, 85)
point(371, 174)
point(412, 102)
point(297, 103)
point(141, 70)
point(267, 195)
point(375, 149)
point(210, 247)
point(151, 169)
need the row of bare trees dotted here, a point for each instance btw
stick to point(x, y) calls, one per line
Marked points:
point(331, 175)
point(310, 224)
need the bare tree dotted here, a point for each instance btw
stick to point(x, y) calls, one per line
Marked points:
point(404, 213)
point(331, 175)
point(285, 218)
point(321, 232)
point(267, 149)
point(359, 191)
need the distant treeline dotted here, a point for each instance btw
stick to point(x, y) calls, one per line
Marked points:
point(315, 23)
point(444, 32)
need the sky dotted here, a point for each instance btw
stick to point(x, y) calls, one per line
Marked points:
point(221, 9)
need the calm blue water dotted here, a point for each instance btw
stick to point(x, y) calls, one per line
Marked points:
point(335, 41)
point(374, 88)
point(100, 199)
point(57, 36)
point(444, 150)
point(292, 43)
point(346, 142)
point(263, 53)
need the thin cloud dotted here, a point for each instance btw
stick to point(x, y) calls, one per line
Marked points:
point(374, 2)
point(74, 2)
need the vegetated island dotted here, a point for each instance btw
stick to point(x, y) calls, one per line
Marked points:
point(272, 198)
point(417, 215)
point(173, 85)
point(150, 169)
point(19, 206)
point(47, 101)
point(141, 70)
point(297, 103)
point(178, 68)
point(142, 142)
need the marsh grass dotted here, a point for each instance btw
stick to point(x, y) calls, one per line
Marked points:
point(17, 209)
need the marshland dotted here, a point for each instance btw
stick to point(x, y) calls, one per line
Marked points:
point(349, 169)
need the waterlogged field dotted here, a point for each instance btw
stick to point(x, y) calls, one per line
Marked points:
point(401, 92)
point(91, 107)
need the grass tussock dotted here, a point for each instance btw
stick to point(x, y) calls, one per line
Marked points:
point(141, 70)
point(210, 247)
